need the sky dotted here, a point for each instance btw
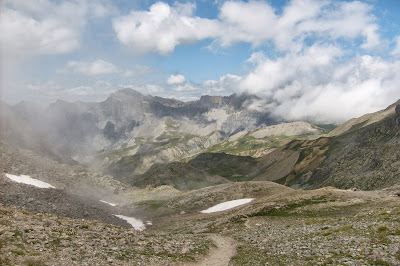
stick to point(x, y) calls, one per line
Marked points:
point(316, 60)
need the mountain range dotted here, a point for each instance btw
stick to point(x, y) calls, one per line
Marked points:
point(163, 161)
point(144, 140)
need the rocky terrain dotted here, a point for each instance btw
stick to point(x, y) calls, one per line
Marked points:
point(334, 199)
point(323, 231)
point(41, 239)
point(362, 153)
point(365, 156)
point(281, 226)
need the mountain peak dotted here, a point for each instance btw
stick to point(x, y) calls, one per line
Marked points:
point(126, 93)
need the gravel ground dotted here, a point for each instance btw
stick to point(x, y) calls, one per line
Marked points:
point(280, 227)
point(365, 233)
point(41, 239)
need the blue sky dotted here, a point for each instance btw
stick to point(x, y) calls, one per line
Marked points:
point(319, 60)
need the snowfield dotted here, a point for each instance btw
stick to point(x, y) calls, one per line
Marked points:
point(136, 223)
point(109, 203)
point(227, 205)
point(25, 179)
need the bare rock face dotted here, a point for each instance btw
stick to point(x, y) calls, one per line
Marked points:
point(398, 114)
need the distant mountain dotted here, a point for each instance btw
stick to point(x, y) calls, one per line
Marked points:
point(128, 123)
point(129, 132)
point(362, 153)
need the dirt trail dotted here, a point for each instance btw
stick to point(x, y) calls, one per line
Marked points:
point(222, 254)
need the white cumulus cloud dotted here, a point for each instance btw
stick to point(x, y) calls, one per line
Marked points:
point(321, 84)
point(164, 27)
point(176, 79)
point(39, 27)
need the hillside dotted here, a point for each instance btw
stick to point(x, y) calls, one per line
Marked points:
point(364, 156)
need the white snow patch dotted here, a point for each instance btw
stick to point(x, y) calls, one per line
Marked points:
point(227, 205)
point(149, 223)
point(136, 223)
point(25, 179)
point(109, 203)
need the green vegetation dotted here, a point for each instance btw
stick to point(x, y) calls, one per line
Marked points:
point(234, 168)
point(17, 252)
point(382, 228)
point(290, 208)
point(342, 228)
point(380, 262)
point(152, 205)
point(250, 144)
point(247, 255)
point(325, 128)
point(172, 124)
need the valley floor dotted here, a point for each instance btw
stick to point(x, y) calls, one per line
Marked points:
point(321, 227)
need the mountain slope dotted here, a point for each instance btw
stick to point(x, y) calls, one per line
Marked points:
point(181, 176)
point(155, 129)
point(365, 155)
point(364, 120)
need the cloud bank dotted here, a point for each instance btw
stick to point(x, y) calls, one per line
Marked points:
point(165, 27)
point(319, 85)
